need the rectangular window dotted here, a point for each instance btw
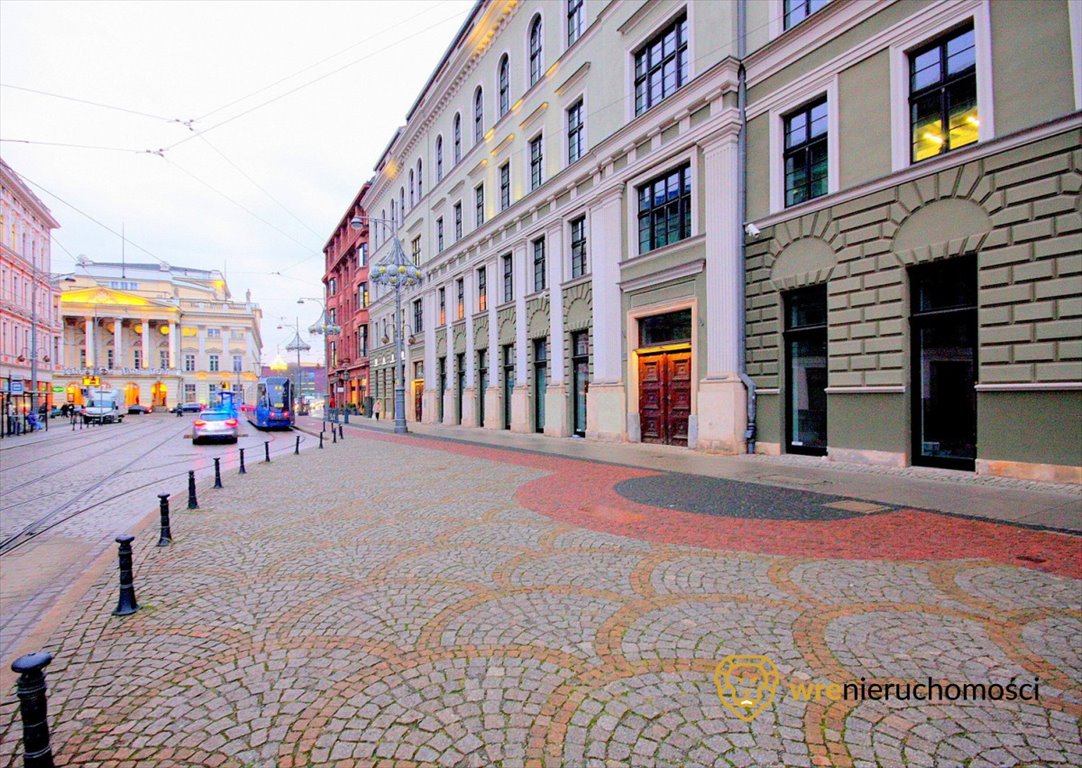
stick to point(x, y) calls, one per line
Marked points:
point(482, 289)
point(189, 363)
point(416, 250)
point(238, 363)
point(806, 153)
point(479, 205)
point(508, 278)
point(665, 209)
point(362, 342)
point(418, 316)
point(458, 221)
point(215, 333)
point(189, 393)
point(539, 264)
point(362, 255)
point(505, 186)
point(574, 21)
point(536, 161)
point(578, 247)
point(108, 358)
point(806, 370)
point(362, 295)
point(443, 306)
point(138, 355)
point(213, 364)
point(670, 328)
point(439, 235)
point(943, 94)
point(661, 66)
point(332, 287)
point(460, 301)
point(163, 359)
point(575, 144)
point(798, 10)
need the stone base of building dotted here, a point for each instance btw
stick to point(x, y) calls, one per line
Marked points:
point(493, 415)
point(520, 409)
point(450, 413)
point(469, 407)
point(861, 456)
point(430, 406)
point(556, 417)
point(768, 449)
point(1021, 470)
point(606, 413)
point(722, 415)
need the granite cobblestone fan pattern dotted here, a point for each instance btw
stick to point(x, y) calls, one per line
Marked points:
point(476, 607)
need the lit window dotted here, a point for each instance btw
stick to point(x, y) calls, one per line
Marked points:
point(443, 306)
point(943, 95)
point(661, 66)
point(482, 289)
point(460, 303)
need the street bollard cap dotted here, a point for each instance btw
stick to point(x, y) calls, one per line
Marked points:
point(31, 662)
point(163, 495)
point(125, 538)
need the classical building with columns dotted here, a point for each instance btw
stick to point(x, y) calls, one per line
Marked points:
point(568, 180)
point(160, 334)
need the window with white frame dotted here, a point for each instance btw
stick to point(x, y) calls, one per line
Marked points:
point(439, 234)
point(537, 63)
point(505, 185)
point(238, 363)
point(574, 21)
point(508, 277)
point(578, 247)
point(439, 159)
point(458, 221)
point(943, 94)
point(575, 132)
point(479, 205)
point(478, 115)
point(806, 153)
point(420, 180)
point(664, 209)
point(536, 161)
point(442, 294)
point(661, 65)
point(216, 333)
point(798, 10)
point(460, 298)
point(456, 138)
point(503, 77)
point(539, 264)
point(413, 200)
point(189, 362)
point(482, 289)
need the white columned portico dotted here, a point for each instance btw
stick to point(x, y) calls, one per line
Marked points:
point(146, 342)
point(606, 404)
point(520, 395)
point(556, 402)
point(430, 405)
point(469, 392)
point(722, 400)
point(493, 414)
point(88, 341)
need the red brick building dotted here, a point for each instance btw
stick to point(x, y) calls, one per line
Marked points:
point(345, 285)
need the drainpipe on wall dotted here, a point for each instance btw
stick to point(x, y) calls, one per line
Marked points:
point(742, 162)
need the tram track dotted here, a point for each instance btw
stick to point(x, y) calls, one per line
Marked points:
point(68, 448)
point(63, 513)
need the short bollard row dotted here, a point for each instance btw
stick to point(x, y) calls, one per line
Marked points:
point(33, 708)
point(217, 472)
point(126, 603)
point(266, 451)
point(166, 534)
point(193, 502)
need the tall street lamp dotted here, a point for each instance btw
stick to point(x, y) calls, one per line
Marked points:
point(298, 345)
point(396, 271)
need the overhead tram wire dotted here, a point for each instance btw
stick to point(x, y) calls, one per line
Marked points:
point(98, 104)
point(240, 205)
point(258, 186)
point(304, 85)
point(281, 80)
point(106, 227)
point(75, 146)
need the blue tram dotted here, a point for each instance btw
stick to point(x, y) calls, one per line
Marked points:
point(273, 408)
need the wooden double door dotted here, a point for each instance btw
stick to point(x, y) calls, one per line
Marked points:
point(665, 397)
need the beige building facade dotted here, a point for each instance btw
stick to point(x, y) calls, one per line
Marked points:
point(160, 334)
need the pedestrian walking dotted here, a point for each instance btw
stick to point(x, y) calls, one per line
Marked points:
point(377, 409)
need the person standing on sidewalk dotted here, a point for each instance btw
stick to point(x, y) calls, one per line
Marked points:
point(377, 409)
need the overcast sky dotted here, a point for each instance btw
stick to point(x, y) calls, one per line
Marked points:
point(309, 150)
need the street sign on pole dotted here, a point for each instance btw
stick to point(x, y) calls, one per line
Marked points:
point(17, 388)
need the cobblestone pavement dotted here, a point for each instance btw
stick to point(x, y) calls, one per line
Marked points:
point(81, 488)
point(403, 601)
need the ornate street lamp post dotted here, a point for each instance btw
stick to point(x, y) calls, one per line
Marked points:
point(323, 327)
point(396, 271)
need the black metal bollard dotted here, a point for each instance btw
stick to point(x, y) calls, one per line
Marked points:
point(321, 441)
point(341, 433)
point(266, 451)
point(34, 708)
point(297, 446)
point(193, 502)
point(334, 434)
point(126, 604)
point(242, 469)
point(217, 472)
point(167, 535)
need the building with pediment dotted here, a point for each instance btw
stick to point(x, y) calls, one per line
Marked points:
point(160, 334)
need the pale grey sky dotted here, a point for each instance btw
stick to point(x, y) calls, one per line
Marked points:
point(310, 150)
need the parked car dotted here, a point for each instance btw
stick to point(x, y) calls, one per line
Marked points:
point(137, 409)
point(215, 425)
point(187, 408)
